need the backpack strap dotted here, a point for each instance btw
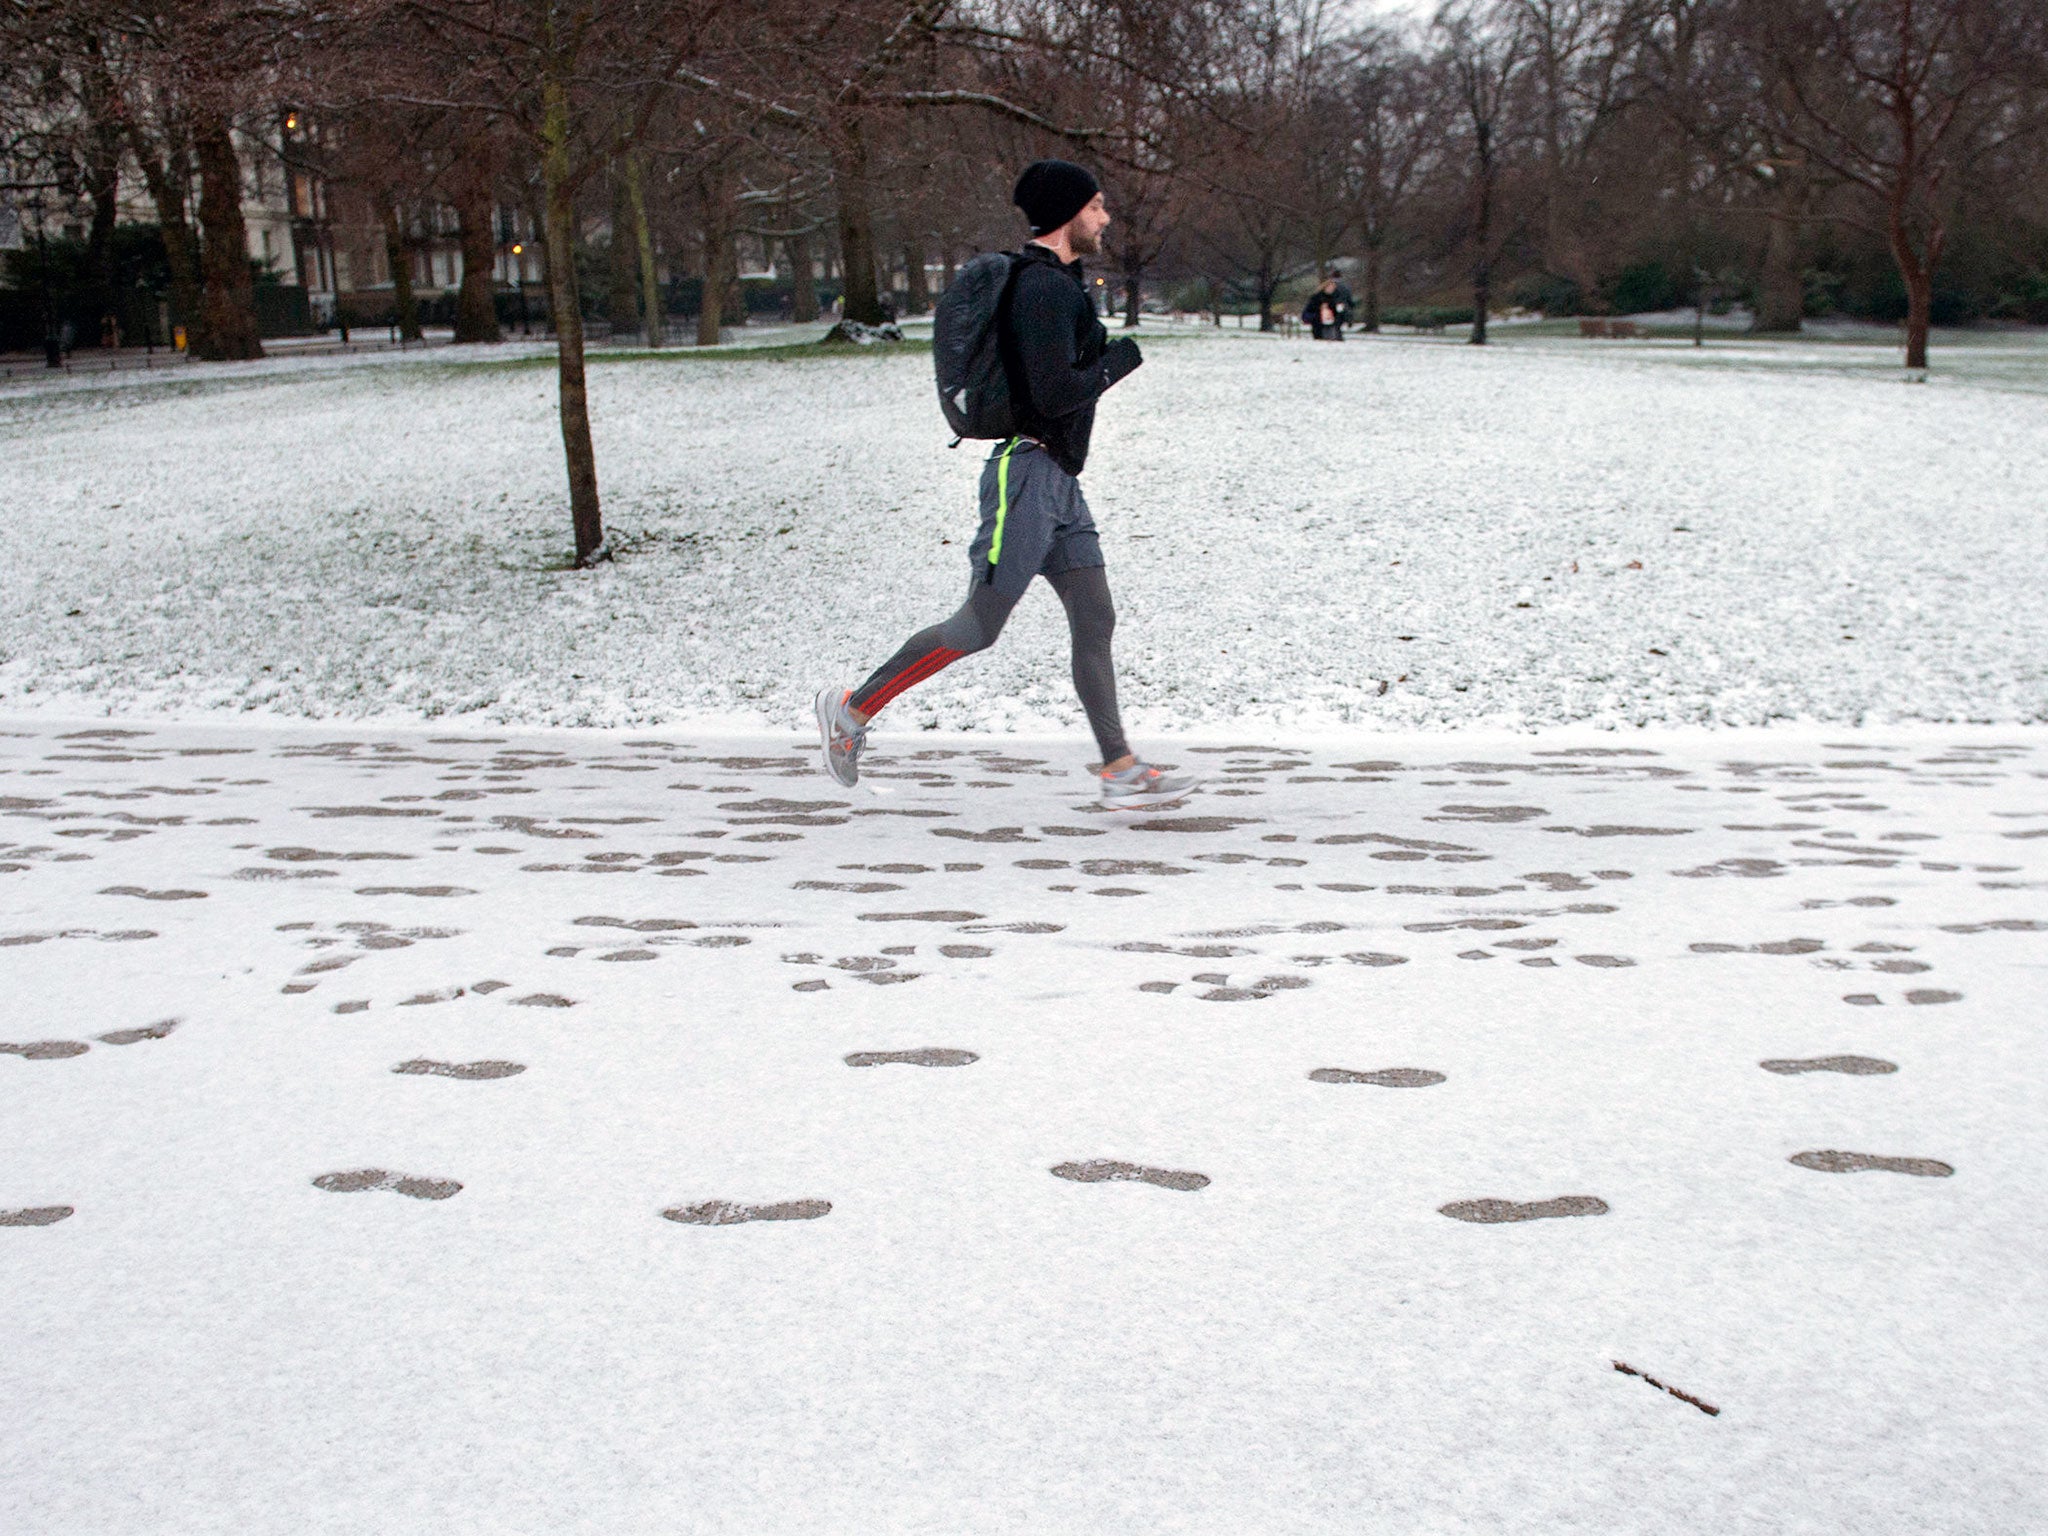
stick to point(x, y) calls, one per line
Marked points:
point(1006, 345)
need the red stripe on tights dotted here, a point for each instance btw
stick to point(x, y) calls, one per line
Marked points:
point(934, 661)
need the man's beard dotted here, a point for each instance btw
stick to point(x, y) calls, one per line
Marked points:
point(1081, 243)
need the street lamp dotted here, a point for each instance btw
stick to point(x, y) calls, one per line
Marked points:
point(519, 277)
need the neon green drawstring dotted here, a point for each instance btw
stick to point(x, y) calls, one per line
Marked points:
point(995, 548)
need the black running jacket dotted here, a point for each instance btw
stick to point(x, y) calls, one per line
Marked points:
point(1058, 356)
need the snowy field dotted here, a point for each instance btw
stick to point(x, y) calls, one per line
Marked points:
point(1311, 1159)
point(1464, 1116)
point(1395, 534)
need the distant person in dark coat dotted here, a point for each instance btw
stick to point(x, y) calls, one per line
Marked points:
point(1328, 309)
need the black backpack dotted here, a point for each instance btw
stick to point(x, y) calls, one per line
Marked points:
point(974, 388)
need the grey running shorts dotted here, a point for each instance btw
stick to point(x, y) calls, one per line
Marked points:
point(1034, 520)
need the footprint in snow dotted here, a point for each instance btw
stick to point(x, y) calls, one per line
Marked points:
point(359, 1179)
point(46, 1050)
point(1387, 1077)
point(1491, 1211)
point(1860, 1162)
point(36, 1216)
point(1772, 947)
point(156, 1031)
point(924, 1056)
point(1195, 823)
point(465, 1071)
point(1103, 1171)
point(1854, 1066)
point(726, 1213)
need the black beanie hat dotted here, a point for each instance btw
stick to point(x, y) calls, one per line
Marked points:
point(1052, 191)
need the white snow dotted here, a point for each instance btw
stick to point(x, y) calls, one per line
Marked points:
point(965, 1342)
point(284, 807)
point(1299, 536)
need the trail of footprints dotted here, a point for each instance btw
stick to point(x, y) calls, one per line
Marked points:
point(758, 819)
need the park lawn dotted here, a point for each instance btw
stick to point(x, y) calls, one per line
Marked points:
point(1399, 533)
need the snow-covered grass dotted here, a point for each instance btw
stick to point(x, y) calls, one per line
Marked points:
point(1393, 533)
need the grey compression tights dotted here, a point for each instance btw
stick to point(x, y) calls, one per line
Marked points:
point(1091, 619)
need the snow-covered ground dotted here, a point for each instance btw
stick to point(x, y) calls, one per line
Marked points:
point(1525, 1127)
point(349, 1076)
point(1389, 534)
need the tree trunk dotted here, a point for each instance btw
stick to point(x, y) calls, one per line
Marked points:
point(476, 309)
point(103, 153)
point(862, 301)
point(1919, 279)
point(711, 305)
point(1371, 323)
point(1919, 310)
point(169, 189)
point(1781, 286)
point(398, 256)
point(1482, 228)
point(917, 289)
point(652, 318)
point(1130, 260)
point(585, 518)
point(1268, 284)
point(227, 293)
point(622, 295)
point(803, 294)
point(735, 290)
point(718, 257)
point(1916, 270)
point(102, 179)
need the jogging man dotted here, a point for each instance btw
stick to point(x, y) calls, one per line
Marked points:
point(1034, 521)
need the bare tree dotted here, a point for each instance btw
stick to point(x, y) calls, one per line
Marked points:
point(1900, 99)
point(471, 185)
point(1397, 108)
point(846, 82)
point(1578, 56)
point(1270, 88)
point(1144, 72)
point(579, 84)
point(1721, 144)
point(64, 126)
point(653, 321)
point(718, 218)
point(159, 140)
point(1485, 54)
point(167, 84)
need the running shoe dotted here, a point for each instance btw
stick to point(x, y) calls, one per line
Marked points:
point(842, 740)
point(1141, 787)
